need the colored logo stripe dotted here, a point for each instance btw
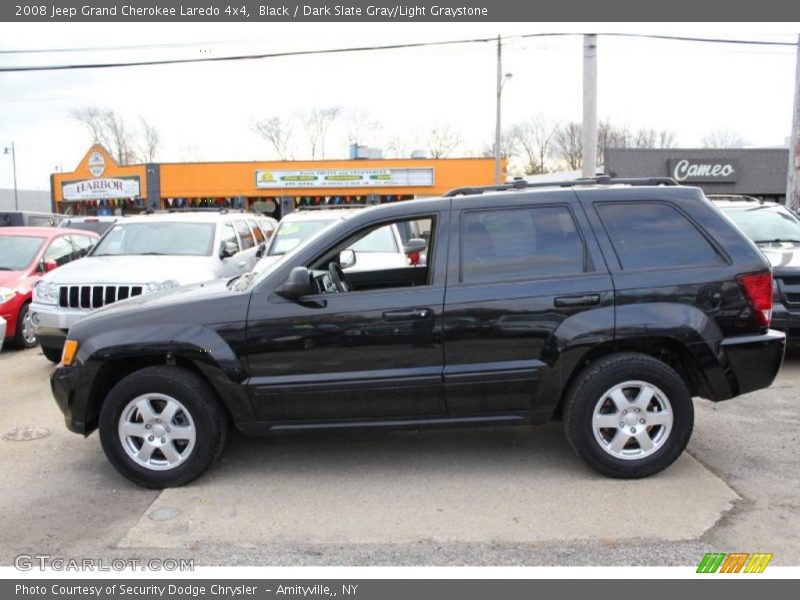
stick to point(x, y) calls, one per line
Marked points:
point(734, 562)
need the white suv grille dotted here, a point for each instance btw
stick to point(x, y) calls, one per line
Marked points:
point(95, 296)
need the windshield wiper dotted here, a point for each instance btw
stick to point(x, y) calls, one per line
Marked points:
point(6, 269)
point(778, 240)
point(152, 254)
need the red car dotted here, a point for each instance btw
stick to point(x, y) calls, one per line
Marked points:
point(26, 253)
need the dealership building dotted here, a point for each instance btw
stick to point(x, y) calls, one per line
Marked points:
point(99, 185)
point(759, 172)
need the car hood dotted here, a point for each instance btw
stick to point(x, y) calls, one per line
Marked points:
point(134, 269)
point(11, 278)
point(782, 256)
point(175, 296)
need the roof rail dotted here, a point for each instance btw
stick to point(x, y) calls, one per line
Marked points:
point(734, 198)
point(521, 184)
point(206, 209)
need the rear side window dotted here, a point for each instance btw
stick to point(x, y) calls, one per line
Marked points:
point(655, 235)
point(259, 235)
point(500, 245)
point(244, 234)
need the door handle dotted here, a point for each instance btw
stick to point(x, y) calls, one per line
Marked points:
point(577, 301)
point(406, 315)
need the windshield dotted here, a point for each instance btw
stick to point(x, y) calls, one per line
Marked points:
point(380, 240)
point(766, 223)
point(17, 252)
point(159, 237)
point(291, 235)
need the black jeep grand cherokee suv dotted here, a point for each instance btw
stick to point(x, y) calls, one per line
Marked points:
point(607, 303)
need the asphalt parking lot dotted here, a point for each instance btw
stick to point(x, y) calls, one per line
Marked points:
point(497, 496)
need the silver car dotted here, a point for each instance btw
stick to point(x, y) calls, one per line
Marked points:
point(140, 255)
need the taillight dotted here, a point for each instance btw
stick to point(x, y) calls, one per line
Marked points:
point(757, 288)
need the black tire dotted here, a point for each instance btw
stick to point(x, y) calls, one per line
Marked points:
point(589, 389)
point(199, 400)
point(52, 354)
point(19, 335)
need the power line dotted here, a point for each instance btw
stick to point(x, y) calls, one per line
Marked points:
point(145, 63)
point(353, 49)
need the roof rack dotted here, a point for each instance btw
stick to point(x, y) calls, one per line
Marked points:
point(206, 209)
point(330, 206)
point(521, 184)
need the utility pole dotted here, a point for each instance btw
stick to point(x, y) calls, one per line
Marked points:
point(14, 167)
point(497, 125)
point(589, 105)
point(793, 173)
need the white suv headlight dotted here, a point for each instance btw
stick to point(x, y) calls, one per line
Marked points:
point(45, 292)
point(155, 286)
point(6, 294)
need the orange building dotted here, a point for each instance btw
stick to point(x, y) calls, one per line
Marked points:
point(101, 186)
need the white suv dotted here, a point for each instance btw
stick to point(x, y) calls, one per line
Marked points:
point(139, 255)
point(384, 248)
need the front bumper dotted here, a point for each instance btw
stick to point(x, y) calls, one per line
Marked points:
point(52, 322)
point(71, 397)
point(786, 319)
point(753, 361)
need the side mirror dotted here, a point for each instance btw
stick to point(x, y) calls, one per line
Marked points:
point(297, 285)
point(415, 245)
point(48, 265)
point(347, 258)
point(228, 249)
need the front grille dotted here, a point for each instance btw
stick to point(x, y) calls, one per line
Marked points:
point(95, 296)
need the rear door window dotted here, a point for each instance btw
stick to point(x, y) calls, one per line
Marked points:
point(245, 235)
point(259, 235)
point(647, 235)
point(520, 243)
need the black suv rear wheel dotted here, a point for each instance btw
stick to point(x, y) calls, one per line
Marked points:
point(628, 415)
point(162, 426)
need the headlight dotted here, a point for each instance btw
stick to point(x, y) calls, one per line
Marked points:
point(155, 286)
point(6, 294)
point(45, 292)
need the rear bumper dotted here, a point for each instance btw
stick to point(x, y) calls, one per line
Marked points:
point(752, 361)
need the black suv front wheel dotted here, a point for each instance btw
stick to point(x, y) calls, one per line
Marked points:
point(628, 415)
point(162, 426)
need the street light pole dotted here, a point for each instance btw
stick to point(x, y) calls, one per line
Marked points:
point(793, 172)
point(589, 105)
point(14, 168)
point(498, 129)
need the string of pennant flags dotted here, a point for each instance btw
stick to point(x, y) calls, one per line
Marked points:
point(231, 202)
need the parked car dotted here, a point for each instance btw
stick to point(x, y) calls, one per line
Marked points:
point(26, 254)
point(97, 224)
point(776, 232)
point(140, 255)
point(21, 218)
point(383, 248)
point(635, 297)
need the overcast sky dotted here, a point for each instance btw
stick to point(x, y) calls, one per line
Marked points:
point(205, 111)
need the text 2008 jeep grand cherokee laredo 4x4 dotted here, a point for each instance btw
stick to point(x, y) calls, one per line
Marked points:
point(607, 303)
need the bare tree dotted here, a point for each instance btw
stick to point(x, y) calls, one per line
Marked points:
point(396, 147)
point(150, 140)
point(723, 138)
point(316, 123)
point(533, 140)
point(568, 145)
point(110, 130)
point(441, 141)
point(359, 126)
point(278, 132)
